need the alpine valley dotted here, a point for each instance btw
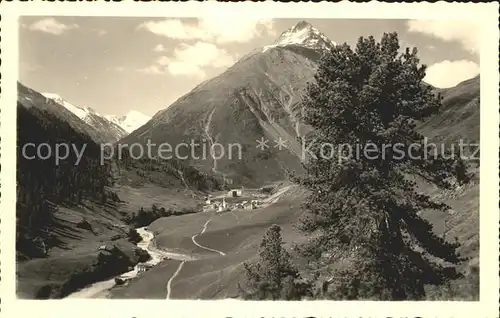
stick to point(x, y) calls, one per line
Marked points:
point(144, 228)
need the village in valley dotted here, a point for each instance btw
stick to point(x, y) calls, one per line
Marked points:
point(223, 201)
point(234, 199)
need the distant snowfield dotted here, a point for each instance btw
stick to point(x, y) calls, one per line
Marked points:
point(131, 121)
point(78, 111)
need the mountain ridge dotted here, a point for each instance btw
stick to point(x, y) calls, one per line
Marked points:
point(110, 131)
point(29, 98)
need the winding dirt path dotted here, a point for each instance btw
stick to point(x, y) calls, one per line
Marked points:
point(193, 238)
point(204, 247)
point(169, 283)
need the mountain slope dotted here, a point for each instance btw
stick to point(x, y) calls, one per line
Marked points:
point(43, 183)
point(258, 97)
point(63, 210)
point(459, 116)
point(108, 130)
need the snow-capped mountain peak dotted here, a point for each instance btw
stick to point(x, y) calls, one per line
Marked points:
point(303, 34)
point(110, 130)
point(78, 111)
point(131, 121)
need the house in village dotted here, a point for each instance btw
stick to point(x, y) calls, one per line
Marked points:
point(103, 247)
point(208, 199)
point(235, 193)
point(223, 206)
point(254, 204)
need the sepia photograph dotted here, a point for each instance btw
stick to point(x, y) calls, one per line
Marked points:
point(247, 158)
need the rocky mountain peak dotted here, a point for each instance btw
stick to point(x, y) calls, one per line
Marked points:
point(303, 34)
point(300, 26)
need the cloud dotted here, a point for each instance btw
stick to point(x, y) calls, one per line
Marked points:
point(51, 26)
point(216, 29)
point(191, 60)
point(159, 48)
point(163, 60)
point(153, 69)
point(449, 73)
point(463, 31)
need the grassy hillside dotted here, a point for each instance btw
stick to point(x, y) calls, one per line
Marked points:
point(76, 253)
point(212, 276)
point(238, 234)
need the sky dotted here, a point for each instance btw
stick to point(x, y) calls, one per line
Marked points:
point(121, 64)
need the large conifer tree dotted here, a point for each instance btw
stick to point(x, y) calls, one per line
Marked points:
point(364, 206)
